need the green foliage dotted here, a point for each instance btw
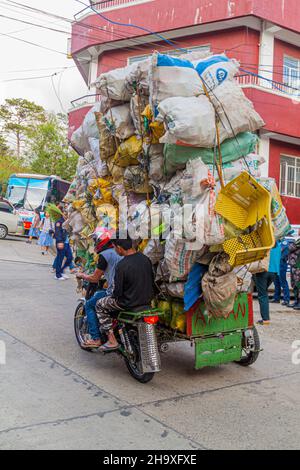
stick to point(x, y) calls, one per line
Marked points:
point(17, 117)
point(40, 137)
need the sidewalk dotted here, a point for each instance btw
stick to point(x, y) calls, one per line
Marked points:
point(16, 249)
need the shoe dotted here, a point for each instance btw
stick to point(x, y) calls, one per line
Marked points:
point(285, 303)
point(293, 305)
point(43, 253)
point(263, 322)
point(297, 306)
point(29, 242)
point(273, 301)
point(59, 278)
point(65, 276)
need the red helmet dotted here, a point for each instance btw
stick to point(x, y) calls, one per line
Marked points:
point(102, 238)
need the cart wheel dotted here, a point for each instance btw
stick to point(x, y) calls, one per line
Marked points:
point(250, 356)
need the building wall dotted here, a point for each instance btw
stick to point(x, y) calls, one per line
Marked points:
point(239, 43)
point(277, 149)
point(166, 15)
point(281, 49)
point(280, 113)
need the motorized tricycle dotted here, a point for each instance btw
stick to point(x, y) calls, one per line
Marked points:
point(144, 334)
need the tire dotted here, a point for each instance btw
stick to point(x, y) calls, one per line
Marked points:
point(3, 232)
point(80, 326)
point(252, 356)
point(132, 365)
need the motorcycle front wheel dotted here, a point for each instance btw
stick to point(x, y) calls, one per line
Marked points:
point(81, 326)
point(133, 363)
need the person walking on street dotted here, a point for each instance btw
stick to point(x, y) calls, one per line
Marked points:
point(281, 281)
point(46, 241)
point(294, 262)
point(60, 235)
point(34, 229)
point(263, 281)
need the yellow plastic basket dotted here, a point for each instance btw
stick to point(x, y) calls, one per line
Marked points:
point(245, 203)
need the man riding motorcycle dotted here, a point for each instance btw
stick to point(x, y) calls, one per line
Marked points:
point(106, 265)
point(133, 288)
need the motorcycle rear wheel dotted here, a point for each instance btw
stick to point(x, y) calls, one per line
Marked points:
point(132, 364)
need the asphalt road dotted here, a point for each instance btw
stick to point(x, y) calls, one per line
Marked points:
point(56, 396)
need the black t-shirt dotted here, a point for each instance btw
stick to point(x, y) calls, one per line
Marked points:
point(102, 263)
point(134, 281)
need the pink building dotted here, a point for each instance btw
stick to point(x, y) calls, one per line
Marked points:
point(264, 35)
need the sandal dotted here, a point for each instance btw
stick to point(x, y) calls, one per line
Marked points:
point(106, 347)
point(91, 343)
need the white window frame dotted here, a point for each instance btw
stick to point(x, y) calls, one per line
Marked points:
point(283, 185)
point(288, 79)
point(173, 52)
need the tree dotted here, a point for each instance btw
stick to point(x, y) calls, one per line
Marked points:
point(49, 150)
point(17, 117)
point(4, 148)
point(8, 164)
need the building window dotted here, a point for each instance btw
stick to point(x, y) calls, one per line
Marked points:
point(291, 72)
point(290, 176)
point(173, 52)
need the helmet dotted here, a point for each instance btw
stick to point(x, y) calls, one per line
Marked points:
point(102, 238)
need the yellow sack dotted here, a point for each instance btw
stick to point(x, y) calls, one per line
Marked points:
point(78, 204)
point(107, 142)
point(178, 321)
point(101, 190)
point(116, 171)
point(128, 152)
point(157, 131)
point(107, 216)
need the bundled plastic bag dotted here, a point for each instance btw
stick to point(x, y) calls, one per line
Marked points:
point(112, 84)
point(188, 121)
point(178, 259)
point(89, 125)
point(138, 77)
point(251, 163)
point(172, 76)
point(196, 178)
point(116, 171)
point(216, 69)
point(107, 142)
point(79, 141)
point(76, 222)
point(128, 152)
point(235, 111)
point(154, 251)
point(173, 289)
point(135, 180)
point(219, 287)
point(119, 123)
point(156, 163)
point(280, 220)
point(244, 278)
point(137, 105)
point(176, 156)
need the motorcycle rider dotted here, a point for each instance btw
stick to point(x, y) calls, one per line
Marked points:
point(106, 265)
point(133, 288)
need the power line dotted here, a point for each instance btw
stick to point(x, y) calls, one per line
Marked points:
point(32, 43)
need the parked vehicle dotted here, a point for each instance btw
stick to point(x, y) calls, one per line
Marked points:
point(142, 335)
point(8, 219)
point(28, 192)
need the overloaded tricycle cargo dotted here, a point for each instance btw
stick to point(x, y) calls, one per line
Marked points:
point(171, 149)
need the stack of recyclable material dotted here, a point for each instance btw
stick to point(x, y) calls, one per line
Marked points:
point(169, 135)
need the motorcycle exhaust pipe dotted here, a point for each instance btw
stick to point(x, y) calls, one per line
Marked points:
point(150, 358)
